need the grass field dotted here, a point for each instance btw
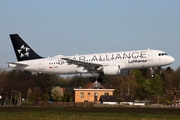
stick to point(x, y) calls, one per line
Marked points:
point(88, 113)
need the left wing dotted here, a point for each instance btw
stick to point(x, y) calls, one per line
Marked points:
point(98, 67)
point(84, 64)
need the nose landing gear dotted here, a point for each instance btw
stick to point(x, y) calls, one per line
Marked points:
point(152, 73)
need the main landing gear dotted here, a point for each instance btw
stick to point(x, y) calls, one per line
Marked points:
point(93, 79)
point(98, 79)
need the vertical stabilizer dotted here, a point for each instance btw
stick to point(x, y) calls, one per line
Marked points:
point(22, 50)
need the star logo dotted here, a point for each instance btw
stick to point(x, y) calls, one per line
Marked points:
point(23, 51)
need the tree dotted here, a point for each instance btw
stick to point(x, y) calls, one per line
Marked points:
point(175, 93)
point(56, 93)
point(176, 78)
point(131, 84)
point(67, 97)
point(167, 75)
point(154, 86)
point(45, 97)
point(29, 91)
point(140, 77)
point(122, 84)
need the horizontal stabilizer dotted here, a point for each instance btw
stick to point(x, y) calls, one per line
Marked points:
point(15, 64)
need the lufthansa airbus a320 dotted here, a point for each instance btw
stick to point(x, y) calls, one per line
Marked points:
point(114, 63)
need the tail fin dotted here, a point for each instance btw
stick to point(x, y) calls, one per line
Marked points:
point(23, 51)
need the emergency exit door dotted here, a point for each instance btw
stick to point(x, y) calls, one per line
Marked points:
point(41, 65)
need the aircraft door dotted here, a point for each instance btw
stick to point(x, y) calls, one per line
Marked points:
point(150, 55)
point(41, 65)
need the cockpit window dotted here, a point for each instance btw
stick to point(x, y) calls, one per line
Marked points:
point(162, 54)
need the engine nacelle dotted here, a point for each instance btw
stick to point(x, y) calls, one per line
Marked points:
point(115, 70)
point(111, 70)
point(81, 70)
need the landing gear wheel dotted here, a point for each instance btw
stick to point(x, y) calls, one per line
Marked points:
point(152, 75)
point(92, 79)
point(100, 79)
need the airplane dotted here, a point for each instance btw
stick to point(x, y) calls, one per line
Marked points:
point(114, 63)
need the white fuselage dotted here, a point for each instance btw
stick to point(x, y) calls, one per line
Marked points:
point(127, 60)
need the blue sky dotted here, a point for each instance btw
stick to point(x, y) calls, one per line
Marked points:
point(90, 26)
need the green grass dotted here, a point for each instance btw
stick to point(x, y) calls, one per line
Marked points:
point(87, 113)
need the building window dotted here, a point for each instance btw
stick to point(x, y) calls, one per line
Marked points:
point(106, 93)
point(81, 94)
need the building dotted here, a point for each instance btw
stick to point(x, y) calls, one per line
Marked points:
point(121, 99)
point(91, 94)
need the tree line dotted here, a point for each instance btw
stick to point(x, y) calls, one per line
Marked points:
point(162, 88)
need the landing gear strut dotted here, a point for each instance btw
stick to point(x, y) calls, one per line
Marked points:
point(152, 72)
point(92, 79)
point(98, 79)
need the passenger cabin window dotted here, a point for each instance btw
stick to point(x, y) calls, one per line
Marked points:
point(106, 93)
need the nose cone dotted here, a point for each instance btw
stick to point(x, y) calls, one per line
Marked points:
point(171, 59)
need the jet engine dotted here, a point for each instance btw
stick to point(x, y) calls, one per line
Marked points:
point(111, 70)
point(81, 70)
point(115, 70)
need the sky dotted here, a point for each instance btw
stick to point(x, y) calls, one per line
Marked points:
point(69, 27)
